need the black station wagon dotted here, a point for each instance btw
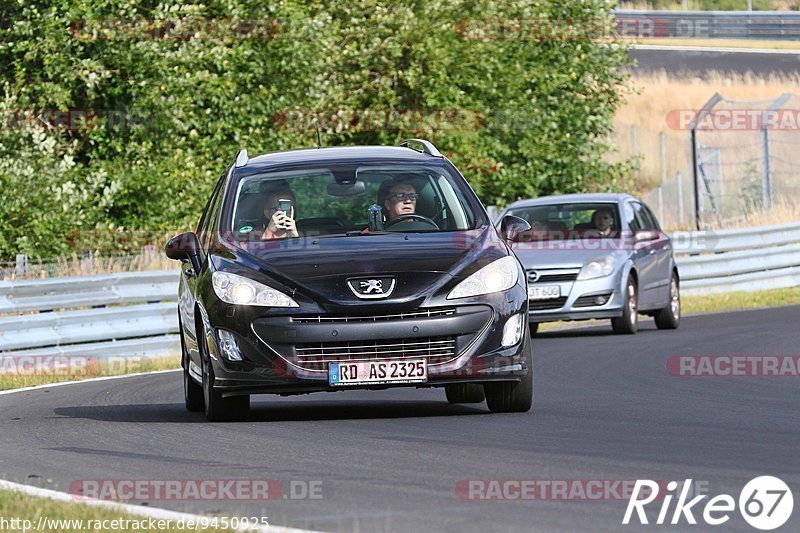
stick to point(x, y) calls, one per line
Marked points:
point(350, 268)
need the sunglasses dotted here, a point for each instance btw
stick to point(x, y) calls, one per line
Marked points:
point(403, 196)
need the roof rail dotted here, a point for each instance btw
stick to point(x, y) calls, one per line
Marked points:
point(241, 158)
point(427, 147)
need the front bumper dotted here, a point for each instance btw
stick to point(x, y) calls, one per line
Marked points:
point(290, 353)
point(576, 301)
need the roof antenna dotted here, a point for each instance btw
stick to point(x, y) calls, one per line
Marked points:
point(319, 133)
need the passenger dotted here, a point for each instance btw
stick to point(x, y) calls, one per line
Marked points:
point(281, 225)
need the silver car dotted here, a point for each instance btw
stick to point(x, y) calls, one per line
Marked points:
point(596, 256)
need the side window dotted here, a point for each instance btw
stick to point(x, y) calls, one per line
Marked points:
point(646, 221)
point(210, 213)
point(653, 221)
point(630, 216)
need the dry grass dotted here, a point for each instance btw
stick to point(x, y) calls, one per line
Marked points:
point(722, 43)
point(14, 374)
point(85, 518)
point(150, 258)
point(651, 97)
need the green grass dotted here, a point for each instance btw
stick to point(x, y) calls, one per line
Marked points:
point(740, 300)
point(14, 375)
point(15, 505)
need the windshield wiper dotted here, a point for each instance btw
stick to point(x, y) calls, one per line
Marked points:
point(364, 232)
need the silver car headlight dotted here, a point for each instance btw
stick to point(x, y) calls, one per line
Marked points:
point(239, 290)
point(499, 275)
point(597, 268)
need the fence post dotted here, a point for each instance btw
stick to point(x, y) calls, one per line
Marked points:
point(635, 150)
point(696, 215)
point(679, 180)
point(21, 269)
point(663, 140)
point(660, 202)
point(87, 263)
point(766, 182)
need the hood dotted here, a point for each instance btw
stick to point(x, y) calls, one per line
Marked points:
point(562, 256)
point(420, 263)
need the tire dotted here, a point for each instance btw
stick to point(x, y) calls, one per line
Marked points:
point(670, 316)
point(464, 393)
point(628, 323)
point(512, 396)
point(217, 408)
point(534, 326)
point(192, 392)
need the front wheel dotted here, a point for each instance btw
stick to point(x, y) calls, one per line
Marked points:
point(192, 392)
point(464, 393)
point(670, 316)
point(512, 396)
point(218, 408)
point(628, 323)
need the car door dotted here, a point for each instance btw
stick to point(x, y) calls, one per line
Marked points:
point(643, 261)
point(661, 250)
point(651, 279)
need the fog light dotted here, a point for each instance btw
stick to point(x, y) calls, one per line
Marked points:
point(601, 300)
point(512, 331)
point(229, 346)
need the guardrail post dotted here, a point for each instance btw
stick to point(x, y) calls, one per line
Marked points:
point(21, 269)
point(766, 182)
point(696, 218)
point(87, 262)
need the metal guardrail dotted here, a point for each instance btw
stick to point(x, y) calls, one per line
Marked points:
point(765, 25)
point(133, 314)
point(104, 316)
point(739, 260)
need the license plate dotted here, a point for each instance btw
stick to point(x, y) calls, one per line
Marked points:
point(377, 372)
point(544, 292)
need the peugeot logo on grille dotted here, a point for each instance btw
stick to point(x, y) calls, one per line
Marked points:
point(533, 275)
point(372, 288)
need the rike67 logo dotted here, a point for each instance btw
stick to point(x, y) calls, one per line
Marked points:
point(765, 503)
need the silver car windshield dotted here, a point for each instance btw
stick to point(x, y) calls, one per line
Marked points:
point(571, 221)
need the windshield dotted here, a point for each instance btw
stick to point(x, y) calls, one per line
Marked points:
point(335, 201)
point(568, 221)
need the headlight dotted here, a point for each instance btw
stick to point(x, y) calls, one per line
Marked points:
point(239, 290)
point(597, 268)
point(497, 276)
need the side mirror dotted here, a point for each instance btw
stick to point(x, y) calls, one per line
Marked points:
point(511, 227)
point(645, 235)
point(185, 247)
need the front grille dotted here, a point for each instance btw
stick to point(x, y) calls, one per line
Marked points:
point(544, 278)
point(316, 356)
point(541, 305)
point(422, 313)
point(589, 300)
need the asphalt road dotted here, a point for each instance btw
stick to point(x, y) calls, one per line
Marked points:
point(605, 409)
point(701, 63)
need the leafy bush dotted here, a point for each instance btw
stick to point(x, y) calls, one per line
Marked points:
point(166, 115)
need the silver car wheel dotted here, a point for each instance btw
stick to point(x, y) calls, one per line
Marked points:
point(675, 299)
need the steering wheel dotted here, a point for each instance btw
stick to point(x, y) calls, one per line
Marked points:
point(411, 216)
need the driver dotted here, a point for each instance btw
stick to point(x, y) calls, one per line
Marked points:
point(400, 199)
